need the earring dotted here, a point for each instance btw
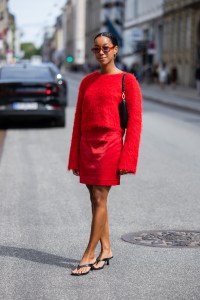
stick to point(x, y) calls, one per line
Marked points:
point(115, 54)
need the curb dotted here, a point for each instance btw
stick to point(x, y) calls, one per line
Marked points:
point(173, 105)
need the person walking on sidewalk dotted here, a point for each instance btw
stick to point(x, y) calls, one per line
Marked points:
point(163, 74)
point(174, 76)
point(197, 76)
point(98, 154)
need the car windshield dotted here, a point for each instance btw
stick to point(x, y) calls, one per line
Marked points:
point(26, 74)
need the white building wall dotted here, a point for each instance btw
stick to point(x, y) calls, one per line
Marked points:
point(93, 27)
point(64, 32)
point(79, 38)
point(70, 27)
point(139, 11)
point(4, 24)
point(17, 42)
point(74, 23)
point(60, 40)
point(3, 15)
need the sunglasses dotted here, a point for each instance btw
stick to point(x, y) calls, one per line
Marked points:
point(105, 49)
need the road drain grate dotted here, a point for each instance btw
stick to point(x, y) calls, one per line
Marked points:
point(164, 238)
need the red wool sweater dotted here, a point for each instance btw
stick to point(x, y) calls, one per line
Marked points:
point(97, 107)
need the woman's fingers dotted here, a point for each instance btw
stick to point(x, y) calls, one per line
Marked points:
point(76, 172)
point(123, 172)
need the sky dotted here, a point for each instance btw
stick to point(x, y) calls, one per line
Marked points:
point(32, 16)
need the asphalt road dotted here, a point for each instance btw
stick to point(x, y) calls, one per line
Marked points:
point(45, 214)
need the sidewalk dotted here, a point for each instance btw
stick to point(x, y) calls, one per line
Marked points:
point(185, 98)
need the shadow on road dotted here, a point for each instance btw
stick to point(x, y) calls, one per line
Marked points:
point(38, 256)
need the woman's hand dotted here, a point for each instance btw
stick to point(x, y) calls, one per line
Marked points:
point(123, 172)
point(76, 172)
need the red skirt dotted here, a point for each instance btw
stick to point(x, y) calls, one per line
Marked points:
point(100, 151)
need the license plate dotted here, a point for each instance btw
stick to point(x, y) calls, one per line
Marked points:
point(25, 106)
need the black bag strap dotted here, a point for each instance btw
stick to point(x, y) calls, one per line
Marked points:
point(123, 86)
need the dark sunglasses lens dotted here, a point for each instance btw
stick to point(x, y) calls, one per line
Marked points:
point(106, 49)
point(95, 50)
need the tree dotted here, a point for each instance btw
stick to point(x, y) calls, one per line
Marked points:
point(29, 50)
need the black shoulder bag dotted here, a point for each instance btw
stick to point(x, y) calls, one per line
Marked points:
point(123, 108)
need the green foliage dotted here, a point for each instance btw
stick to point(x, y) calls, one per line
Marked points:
point(30, 49)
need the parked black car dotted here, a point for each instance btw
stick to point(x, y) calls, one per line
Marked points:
point(60, 79)
point(31, 91)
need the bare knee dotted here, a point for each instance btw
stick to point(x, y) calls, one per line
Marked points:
point(99, 196)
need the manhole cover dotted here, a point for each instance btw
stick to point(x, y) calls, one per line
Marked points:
point(164, 238)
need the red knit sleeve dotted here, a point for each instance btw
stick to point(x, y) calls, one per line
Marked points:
point(73, 163)
point(129, 155)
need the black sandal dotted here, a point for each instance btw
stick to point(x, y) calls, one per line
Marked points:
point(106, 260)
point(82, 266)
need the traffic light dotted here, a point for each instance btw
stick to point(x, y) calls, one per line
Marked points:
point(69, 59)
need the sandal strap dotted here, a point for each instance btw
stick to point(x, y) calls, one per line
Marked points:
point(86, 265)
point(104, 259)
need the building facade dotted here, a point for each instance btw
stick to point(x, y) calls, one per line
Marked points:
point(112, 18)
point(69, 11)
point(182, 38)
point(143, 32)
point(48, 46)
point(4, 27)
point(101, 16)
point(93, 27)
point(58, 42)
point(75, 13)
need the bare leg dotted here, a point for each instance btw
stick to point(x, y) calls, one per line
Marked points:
point(99, 204)
point(106, 251)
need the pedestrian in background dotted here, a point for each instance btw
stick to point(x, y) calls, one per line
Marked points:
point(197, 76)
point(174, 76)
point(163, 74)
point(136, 71)
point(97, 154)
point(155, 73)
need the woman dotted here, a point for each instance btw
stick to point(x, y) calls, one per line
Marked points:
point(163, 73)
point(174, 76)
point(97, 152)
